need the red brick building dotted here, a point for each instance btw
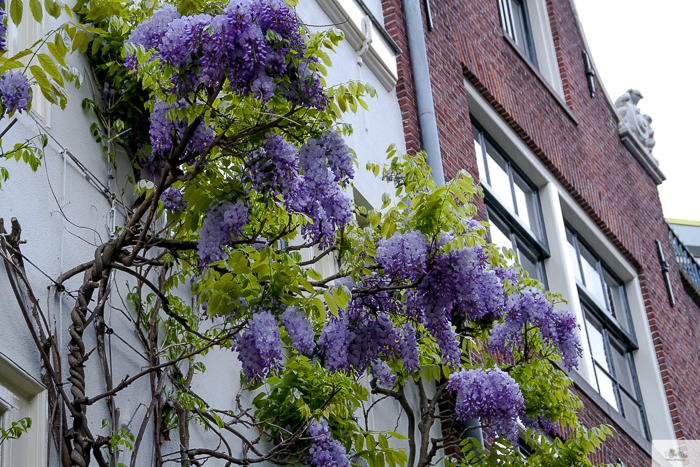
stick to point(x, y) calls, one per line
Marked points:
point(517, 102)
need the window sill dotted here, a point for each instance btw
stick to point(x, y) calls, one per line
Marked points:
point(542, 80)
point(626, 427)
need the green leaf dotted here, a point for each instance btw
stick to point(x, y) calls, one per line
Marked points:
point(10, 64)
point(341, 296)
point(78, 40)
point(16, 10)
point(371, 443)
point(314, 274)
point(44, 84)
point(318, 303)
point(50, 66)
point(56, 53)
point(330, 301)
point(37, 11)
point(52, 8)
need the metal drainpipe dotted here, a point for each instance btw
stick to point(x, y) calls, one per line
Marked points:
point(428, 122)
point(424, 92)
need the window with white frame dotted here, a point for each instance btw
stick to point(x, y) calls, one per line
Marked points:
point(21, 396)
point(512, 205)
point(609, 330)
point(599, 284)
point(516, 24)
point(527, 24)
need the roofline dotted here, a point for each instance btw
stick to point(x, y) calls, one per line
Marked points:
point(683, 222)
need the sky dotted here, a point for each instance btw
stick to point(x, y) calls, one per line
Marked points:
point(654, 46)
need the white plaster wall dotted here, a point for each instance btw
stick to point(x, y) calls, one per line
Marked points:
point(56, 244)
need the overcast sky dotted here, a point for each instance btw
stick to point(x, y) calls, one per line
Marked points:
point(654, 46)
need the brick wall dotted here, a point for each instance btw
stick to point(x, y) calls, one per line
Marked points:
point(585, 154)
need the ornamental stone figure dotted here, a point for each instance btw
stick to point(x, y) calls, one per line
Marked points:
point(632, 120)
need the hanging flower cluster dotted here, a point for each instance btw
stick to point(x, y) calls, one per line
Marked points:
point(300, 330)
point(222, 226)
point(172, 200)
point(530, 309)
point(491, 396)
point(259, 347)
point(248, 45)
point(325, 451)
point(14, 91)
point(14, 85)
point(3, 27)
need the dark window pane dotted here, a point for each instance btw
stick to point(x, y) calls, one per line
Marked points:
point(616, 299)
point(590, 274)
point(522, 34)
point(529, 262)
point(499, 180)
point(571, 248)
point(633, 413)
point(517, 10)
point(526, 204)
point(623, 373)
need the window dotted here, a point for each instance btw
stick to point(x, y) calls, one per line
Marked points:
point(610, 335)
point(22, 396)
point(627, 366)
point(512, 205)
point(599, 284)
point(516, 24)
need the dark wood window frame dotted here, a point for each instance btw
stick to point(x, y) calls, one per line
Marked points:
point(522, 236)
point(612, 331)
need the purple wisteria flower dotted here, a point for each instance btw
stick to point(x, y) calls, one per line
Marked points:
point(529, 308)
point(362, 338)
point(320, 195)
point(458, 285)
point(259, 347)
point(492, 396)
point(408, 344)
point(385, 376)
point(166, 132)
point(275, 166)
point(248, 45)
point(325, 451)
point(149, 33)
point(403, 256)
point(300, 330)
point(223, 225)
point(14, 91)
point(172, 200)
point(3, 27)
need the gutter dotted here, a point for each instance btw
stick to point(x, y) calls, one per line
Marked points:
point(423, 88)
point(428, 121)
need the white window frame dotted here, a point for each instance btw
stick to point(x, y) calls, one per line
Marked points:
point(23, 396)
point(558, 204)
point(370, 45)
point(543, 42)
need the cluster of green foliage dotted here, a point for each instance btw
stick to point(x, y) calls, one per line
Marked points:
point(266, 267)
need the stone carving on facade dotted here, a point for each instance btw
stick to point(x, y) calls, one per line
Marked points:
point(633, 121)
